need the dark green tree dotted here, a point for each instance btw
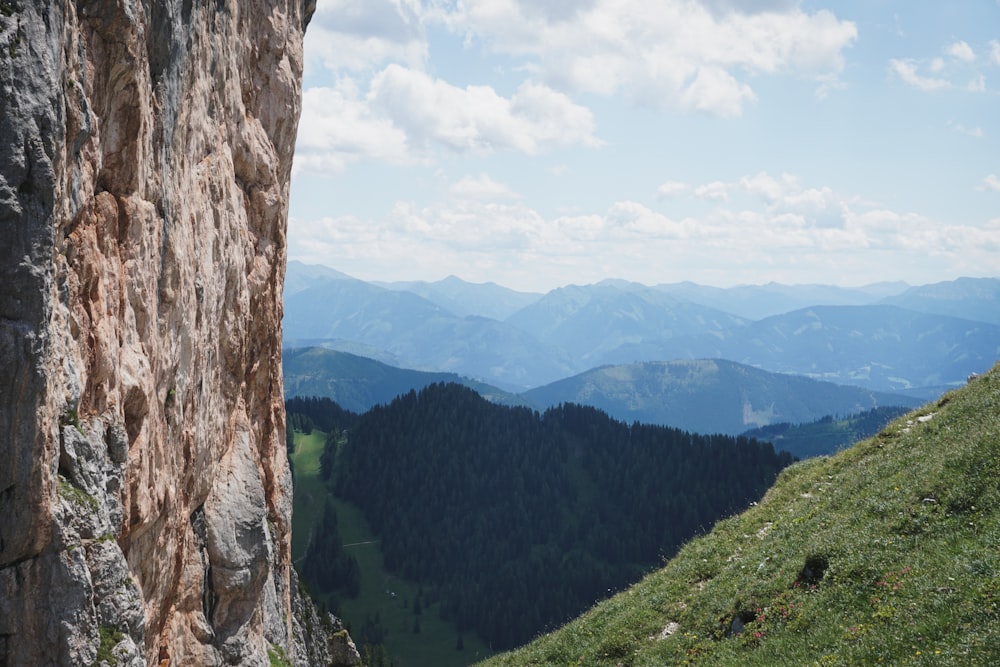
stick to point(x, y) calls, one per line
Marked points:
point(521, 520)
point(326, 567)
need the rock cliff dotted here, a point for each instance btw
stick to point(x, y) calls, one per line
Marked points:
point(145, 156)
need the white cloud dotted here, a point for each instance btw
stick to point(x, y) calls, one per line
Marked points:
point(715, 191)
point(673, 54)
point(749, 6)
point(477, 118)
point(406, 115)
point(785, 196)
point(991, 183)
point(671, 189)
point(943, 73)
point(767, 187)
point(977, 85)
point(995, 52)
point(906, 70)
point(554, 10)
point(482, 187)
point(468, 237)
point(961, 51)
point(632, 220)
point(716, 91)
point(794, 233)
point(358, 35)
point(782, 195)
point(975, 132)
point(338, 127)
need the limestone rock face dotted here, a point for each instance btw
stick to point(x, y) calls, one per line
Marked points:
point(320, 639)
point(145, 496)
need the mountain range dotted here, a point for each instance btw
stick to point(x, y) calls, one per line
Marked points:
point(755, 302)
point(884, 337)
point(968, 298)
point(358, 383)
point(880, 347)
point(464, 298)
point(704, 396)
point(709, 395)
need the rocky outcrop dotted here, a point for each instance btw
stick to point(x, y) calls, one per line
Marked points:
point(145, 155)
point(320, 639)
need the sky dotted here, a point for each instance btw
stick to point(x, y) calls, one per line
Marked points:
point(542, 143)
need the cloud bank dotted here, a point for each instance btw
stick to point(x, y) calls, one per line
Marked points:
point(671, 54)
point(781, 230)
point(405, 115)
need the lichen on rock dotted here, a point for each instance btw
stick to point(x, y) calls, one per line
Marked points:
point(145, 158)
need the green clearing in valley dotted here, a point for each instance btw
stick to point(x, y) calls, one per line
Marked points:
point(383, 596)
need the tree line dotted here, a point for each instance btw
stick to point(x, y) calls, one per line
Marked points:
point(521, 520)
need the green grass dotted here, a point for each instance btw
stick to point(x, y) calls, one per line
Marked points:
point(76, 495)
point(309, 490)
point(886, 553)
point(277, 657)
point(435, 645)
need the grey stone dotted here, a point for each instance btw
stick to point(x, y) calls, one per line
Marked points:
point(145, 156)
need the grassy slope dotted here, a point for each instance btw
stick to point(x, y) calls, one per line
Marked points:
point(435, 644)
point(904, 527)
point(309, 489)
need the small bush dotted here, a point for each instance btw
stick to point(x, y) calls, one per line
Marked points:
point(110, 638)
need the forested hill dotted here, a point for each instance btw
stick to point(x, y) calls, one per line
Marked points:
point(521, 520)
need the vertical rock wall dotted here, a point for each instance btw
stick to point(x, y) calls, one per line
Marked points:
point(145, 155)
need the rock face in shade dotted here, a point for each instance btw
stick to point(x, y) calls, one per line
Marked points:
point(145, 496)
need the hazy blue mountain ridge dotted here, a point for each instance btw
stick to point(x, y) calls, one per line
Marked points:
point(573, 329)
point(708, 395)
point(465, 298)
point(299, 276)
point(755, 302)
point(358, 384)
point(881, 347)
point(704, 396)
point(967, 298)
point(885, 348)
point(419, 333)
point(591, 322)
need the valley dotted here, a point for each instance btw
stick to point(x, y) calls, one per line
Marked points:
point(505, 522)
point(380, 617)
